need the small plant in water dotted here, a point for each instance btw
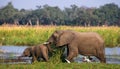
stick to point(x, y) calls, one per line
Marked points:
point(11, 56)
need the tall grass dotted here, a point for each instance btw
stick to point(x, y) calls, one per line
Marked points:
point(22, 35)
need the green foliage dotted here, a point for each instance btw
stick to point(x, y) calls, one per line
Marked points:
point(47, 65)
point(7, 13)
point(37, 35)
point(108, 14)
point(57, 55)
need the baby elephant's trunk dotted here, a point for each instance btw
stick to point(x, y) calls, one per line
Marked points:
point(49, 48)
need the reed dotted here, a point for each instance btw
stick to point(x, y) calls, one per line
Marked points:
point(25, 35)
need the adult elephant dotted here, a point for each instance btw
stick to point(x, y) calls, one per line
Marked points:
point(87, 44)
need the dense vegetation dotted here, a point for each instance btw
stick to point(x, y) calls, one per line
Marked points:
point(108, 14)
point(33, 35)
point(24, 35)
point(42, 65)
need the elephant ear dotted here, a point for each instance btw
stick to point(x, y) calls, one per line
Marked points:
point(54, 37)
point(65, 38)
point(57, 33)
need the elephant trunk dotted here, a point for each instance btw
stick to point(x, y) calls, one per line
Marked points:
point(48, 46)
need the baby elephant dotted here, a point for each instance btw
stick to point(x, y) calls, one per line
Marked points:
point(36, 52)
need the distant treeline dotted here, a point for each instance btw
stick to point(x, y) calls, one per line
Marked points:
point(108, 14)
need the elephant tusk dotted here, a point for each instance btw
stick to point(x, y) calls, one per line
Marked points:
point(46, 42)
point(67, 61)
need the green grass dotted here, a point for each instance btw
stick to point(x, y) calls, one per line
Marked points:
point(21, 35)
point(47, 65)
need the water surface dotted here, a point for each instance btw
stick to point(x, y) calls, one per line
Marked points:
point(112, 54)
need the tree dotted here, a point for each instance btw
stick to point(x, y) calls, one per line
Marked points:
point(108, 14)
point(7, 13)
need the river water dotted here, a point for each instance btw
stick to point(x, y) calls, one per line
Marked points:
point(112, 54)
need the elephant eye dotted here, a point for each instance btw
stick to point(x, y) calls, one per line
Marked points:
point(55, 38)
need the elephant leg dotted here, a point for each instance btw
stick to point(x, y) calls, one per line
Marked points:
point(34, 59)
point(70, 56)
point(45, 56)
point(102, 60)
point(101, 57)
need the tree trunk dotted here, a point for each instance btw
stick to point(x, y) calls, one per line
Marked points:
point(88, 24)
point(85, 24)
point(119, 23)
point(30, 22)
point(16, 22)
point(37, 22)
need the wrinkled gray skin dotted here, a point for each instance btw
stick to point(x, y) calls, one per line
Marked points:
point(87, 44)
point(36, 52)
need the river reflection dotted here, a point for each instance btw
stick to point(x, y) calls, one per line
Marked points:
point(112, 54)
